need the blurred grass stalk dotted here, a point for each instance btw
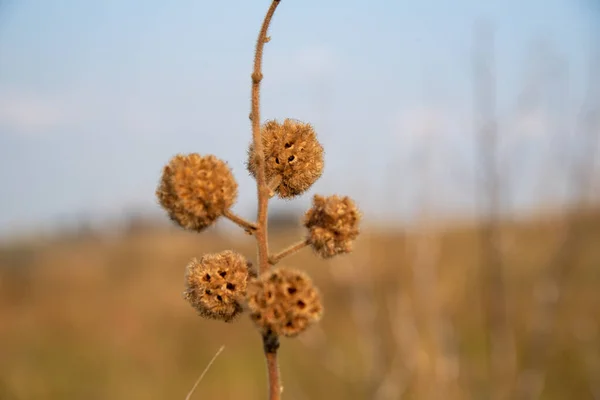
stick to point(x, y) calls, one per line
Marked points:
point(550, 288)
point(502, 356)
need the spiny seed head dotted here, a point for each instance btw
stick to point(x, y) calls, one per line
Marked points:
point(332, 224)
point(284, 301)
point(293, 156)
point(216, 285)
point(196, 190)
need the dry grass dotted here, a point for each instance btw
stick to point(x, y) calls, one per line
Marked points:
point(102, 317)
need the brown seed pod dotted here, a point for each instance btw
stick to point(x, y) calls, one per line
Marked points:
point(293, 157)
point(284, 301)
point(196, 190)
point(332, 224)
point(216, 285)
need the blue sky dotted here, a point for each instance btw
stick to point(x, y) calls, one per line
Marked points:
point(96, 96)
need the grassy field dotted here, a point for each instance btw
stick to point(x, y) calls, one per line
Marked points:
point(101, 317)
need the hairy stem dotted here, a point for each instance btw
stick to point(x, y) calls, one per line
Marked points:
point(273, 371)
point(275, 258)
point(261, 184)
point(248, 226)
point(270, 342)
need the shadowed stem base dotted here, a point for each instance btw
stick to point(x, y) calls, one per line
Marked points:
point(270, 346)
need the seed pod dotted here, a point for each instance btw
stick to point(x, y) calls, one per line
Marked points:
point(293, 157)
point(216, 285)
point(284, 301)
point(332, 224)
point(196, 190)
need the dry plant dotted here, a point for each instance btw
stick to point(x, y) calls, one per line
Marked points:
point(502, 352)
point(285, 158)
point(210, 363)
point(550, 289)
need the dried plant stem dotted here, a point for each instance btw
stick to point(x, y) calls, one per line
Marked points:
point(271, 345)
point(273, 371)
point(210, 363)
point(261, 183)
point(248, 226)
point(270, 341)
point(560, 266)
point(274, 259)
point(502, 353)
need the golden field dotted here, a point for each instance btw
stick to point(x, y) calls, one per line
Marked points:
point(101, 316)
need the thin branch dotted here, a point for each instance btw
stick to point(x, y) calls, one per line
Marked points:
point(189, 396)
point(502, 356)
point(274, 259)
point(249, 227)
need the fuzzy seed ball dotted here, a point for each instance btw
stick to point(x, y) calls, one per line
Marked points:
point(293, 156)
point(196, 190)
point(284, 301)
point(216, 285)
point(332, 224)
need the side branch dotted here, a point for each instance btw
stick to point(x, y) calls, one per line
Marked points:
point(275, 258)
point(249, 227)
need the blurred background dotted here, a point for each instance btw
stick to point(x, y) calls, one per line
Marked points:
point(468, 132)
